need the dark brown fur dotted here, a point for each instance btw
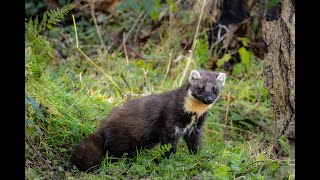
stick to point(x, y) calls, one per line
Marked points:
point(147, 121)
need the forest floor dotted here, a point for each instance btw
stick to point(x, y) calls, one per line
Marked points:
point(72, 96)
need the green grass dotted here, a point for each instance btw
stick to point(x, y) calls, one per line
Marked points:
point(72, 107)
point(71, 97)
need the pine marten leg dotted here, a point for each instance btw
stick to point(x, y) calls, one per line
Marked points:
point(193, 135)
point(193, 140)
point(169, 140)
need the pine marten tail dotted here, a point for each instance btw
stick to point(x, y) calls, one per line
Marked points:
point(88, 153)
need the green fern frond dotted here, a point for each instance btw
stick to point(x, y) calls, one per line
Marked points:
point(44, 20)
point(56, 15)
point(38, 49)
point(36, 24)
point(50, 18)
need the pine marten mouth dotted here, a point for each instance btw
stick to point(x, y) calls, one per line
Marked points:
point(204, 101)
point(194, 105)
point(208, 103)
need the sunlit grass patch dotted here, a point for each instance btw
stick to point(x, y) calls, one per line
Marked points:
point(71, 96)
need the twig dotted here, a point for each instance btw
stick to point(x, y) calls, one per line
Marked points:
point(243, 130)
point(213, 131)
point(139, 27)
point(125, 81)
point(96, 25)
point(260, 161)
point(34, 149)
point(125, 49)
point(251, 168)
point(193, 46)
point(221, 38)
point(176, 79)
point(84, 55)
point(131, 29)
point(75, 30)
point(134, 25)
point(145, 72)
point(109, 77)
point(226, 117)
point(129, 49)
point(168, 67)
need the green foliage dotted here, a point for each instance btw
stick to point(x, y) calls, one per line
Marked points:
point(66, 102)
point(172, 5)
point(41, 103)
point(153, 8)
point(32, 7)
point(38, 50)
point(33, 129)
point(247, 59)
point(50, 18)
point(217, 160)
point(58, 117)
point(250, 107)
point(272, 3)
point(283, 141)
point(245, 56)
point(130, 3)
point(202, 53)
point(238, 69)
point(245, 41)
point(225, 58)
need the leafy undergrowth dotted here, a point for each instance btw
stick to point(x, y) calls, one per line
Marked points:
point(63, 106)
point(66, 98)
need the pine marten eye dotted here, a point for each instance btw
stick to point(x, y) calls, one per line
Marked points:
point(200, 89)
point(214, 90)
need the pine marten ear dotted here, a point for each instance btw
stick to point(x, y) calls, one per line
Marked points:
point(194, 75)
point(221, 78)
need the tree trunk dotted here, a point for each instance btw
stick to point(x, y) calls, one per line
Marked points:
point(278, 30)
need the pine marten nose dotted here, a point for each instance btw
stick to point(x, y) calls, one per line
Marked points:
point(209, 99)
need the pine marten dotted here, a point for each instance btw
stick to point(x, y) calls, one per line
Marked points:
point(158, 118)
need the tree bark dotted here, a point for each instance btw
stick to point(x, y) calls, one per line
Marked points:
point(278, 29)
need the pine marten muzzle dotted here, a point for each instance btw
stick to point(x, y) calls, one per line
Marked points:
point(158, 118)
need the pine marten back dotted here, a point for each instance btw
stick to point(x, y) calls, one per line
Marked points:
point(157, 118)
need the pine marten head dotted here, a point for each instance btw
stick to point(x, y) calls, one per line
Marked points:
point(204, 89)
